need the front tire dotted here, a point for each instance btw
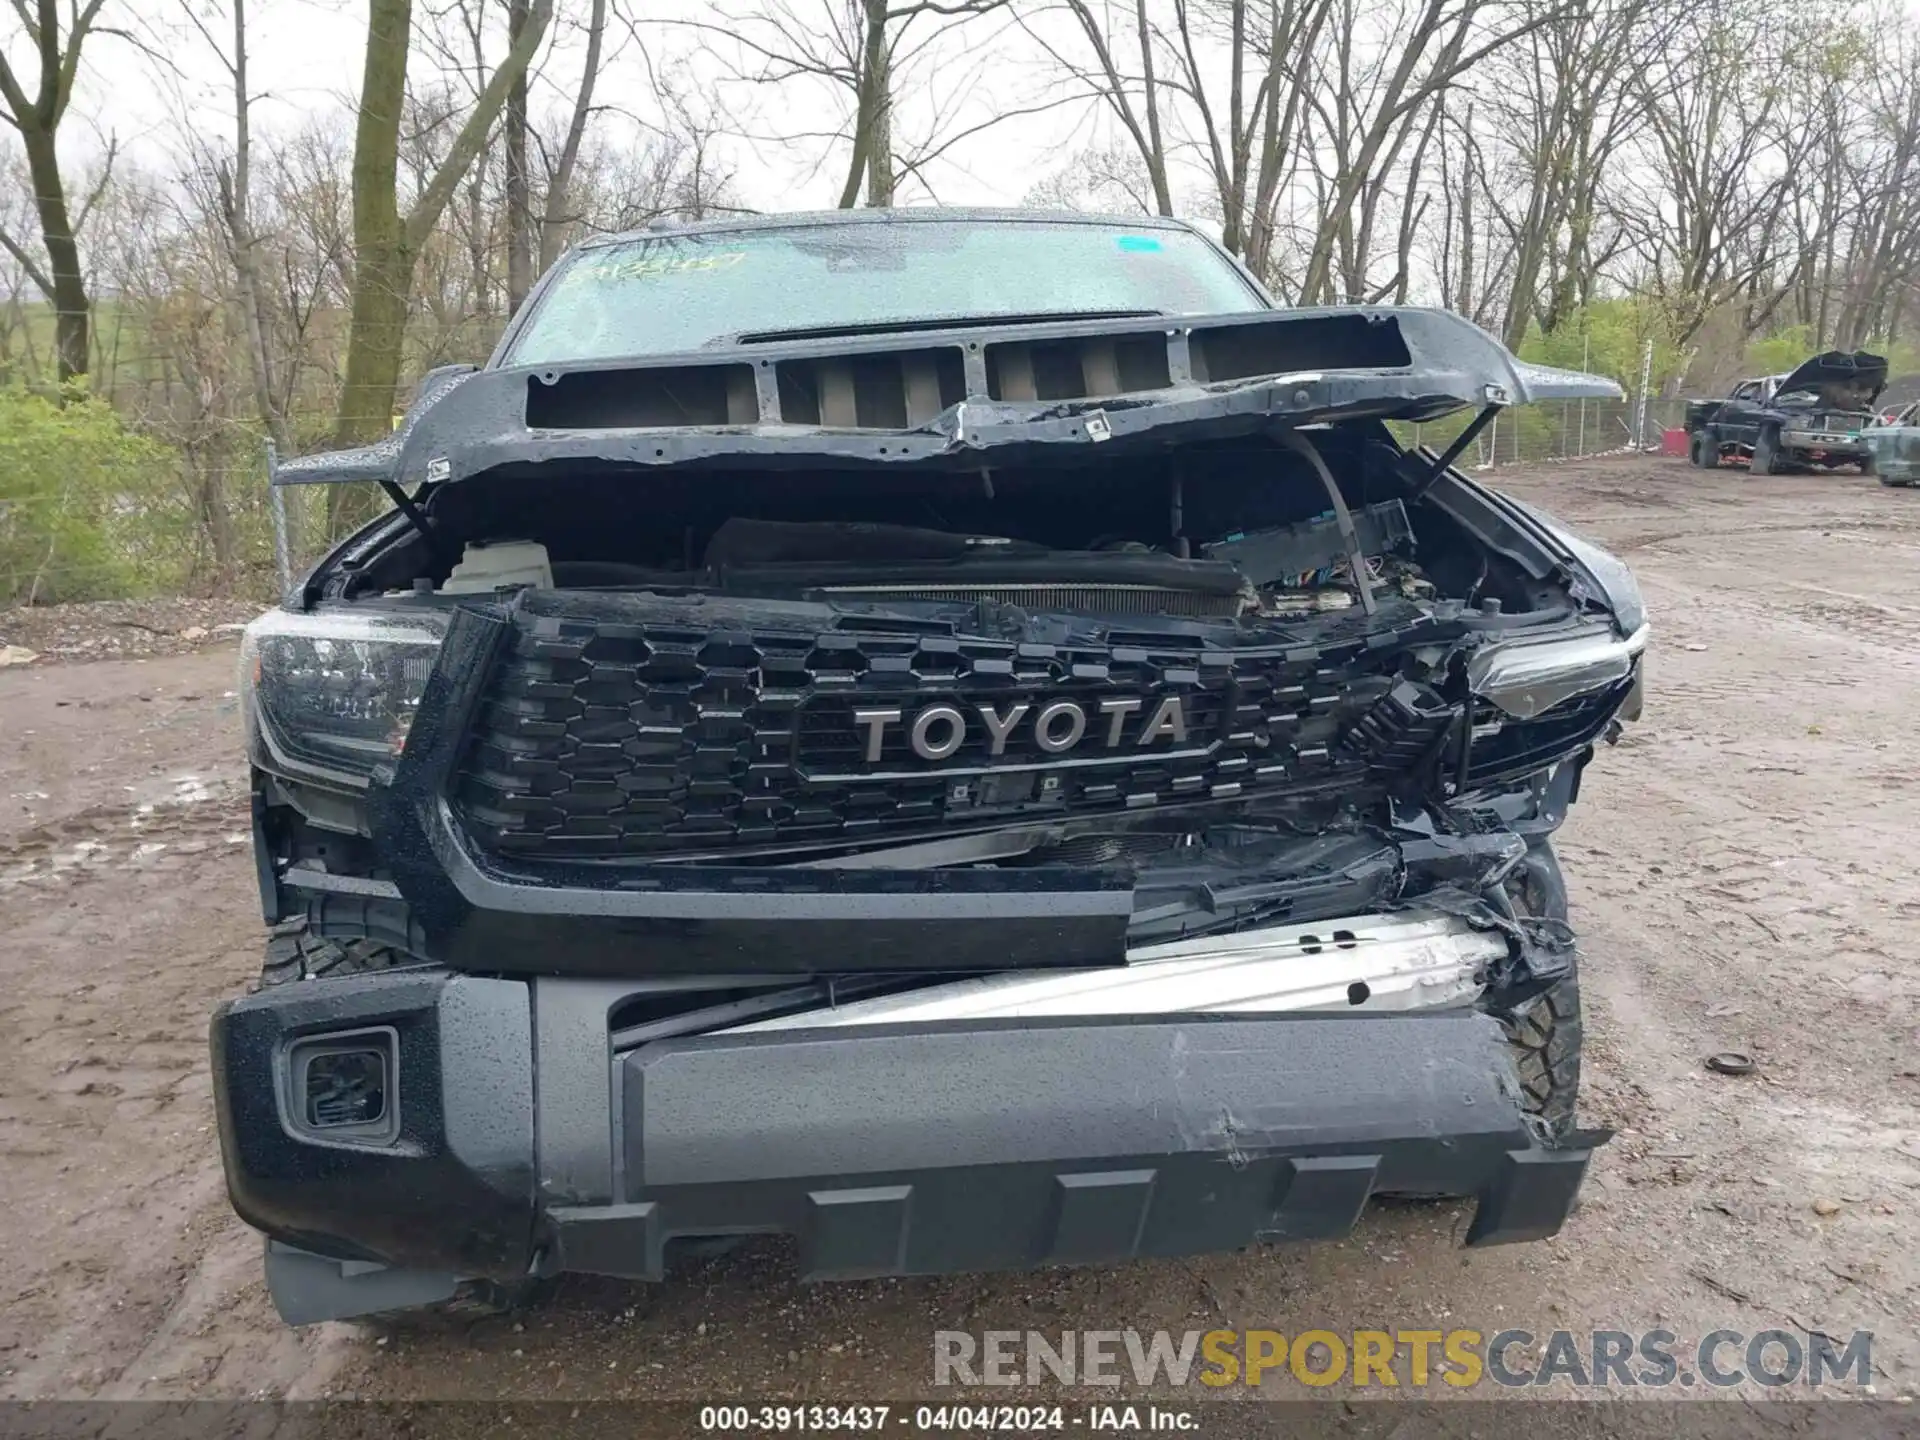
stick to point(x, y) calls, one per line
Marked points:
point(294, 952)
point(1543, 1019)
point(1545, 1032)
point(1766, 454)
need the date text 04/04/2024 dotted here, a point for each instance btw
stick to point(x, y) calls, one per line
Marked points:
point(1009, 1418)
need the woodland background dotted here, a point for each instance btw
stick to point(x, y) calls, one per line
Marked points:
point(1729, 184)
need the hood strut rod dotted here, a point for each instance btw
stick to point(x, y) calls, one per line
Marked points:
point(1452, 453)
point(1357, 562)
point(409, 506)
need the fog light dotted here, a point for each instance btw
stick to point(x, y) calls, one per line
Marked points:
point(348, 1087)
point(343, 1087)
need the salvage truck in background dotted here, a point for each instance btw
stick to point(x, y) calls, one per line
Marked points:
point(1813, 417)
point(959, 737)
point(1894, 444)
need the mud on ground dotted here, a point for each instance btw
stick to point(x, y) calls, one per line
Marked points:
point(1743, 874)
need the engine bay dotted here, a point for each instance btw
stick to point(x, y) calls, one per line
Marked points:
point(1239, 530)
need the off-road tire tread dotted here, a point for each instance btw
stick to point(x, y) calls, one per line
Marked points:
point(294, 952)
point(1545, 1032)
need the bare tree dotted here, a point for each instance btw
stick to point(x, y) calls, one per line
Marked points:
point(1561, 105)
point(1268, 45)
point(232, 178)
point(36, 117)
point(1715, 104)
point(556, 215)
point(1368, 96)
point(863, 51)
point(1136, 100)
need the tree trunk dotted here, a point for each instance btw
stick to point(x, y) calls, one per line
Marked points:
point(555, 218)
point(385, 244)
point(382, 270)
point(236, 202)
point(381, 278)
point(1156, 144)
point(381, 274)
point(880, 176)
point(519, 196)
point(217, 521)
point(1464, 296)
point(869, 112)
point(72, 311)
point(246, 270)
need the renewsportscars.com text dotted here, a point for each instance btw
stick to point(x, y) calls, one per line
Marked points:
point(1409, 1358)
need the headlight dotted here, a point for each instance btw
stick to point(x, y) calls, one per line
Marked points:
point(1526, 678)
point(336, 691)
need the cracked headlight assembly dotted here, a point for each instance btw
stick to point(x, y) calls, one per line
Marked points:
point(1526, 678)
point(334, 692)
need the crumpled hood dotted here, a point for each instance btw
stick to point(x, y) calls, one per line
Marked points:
point(951, 398)
point(1842, 381)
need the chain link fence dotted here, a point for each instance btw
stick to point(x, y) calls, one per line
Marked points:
point(1552, 431)
point(216, 529)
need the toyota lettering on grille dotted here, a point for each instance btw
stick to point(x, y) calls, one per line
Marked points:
point(938, 731)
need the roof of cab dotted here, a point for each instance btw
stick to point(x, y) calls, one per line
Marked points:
point(915, 214)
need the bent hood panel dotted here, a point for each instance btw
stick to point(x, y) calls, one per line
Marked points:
point(948, 397)
point(1842, 381)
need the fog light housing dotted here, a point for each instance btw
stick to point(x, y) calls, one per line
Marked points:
point(344, 1088)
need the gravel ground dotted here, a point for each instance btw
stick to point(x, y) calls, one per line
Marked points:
point(117, 629)
point(1742, 873)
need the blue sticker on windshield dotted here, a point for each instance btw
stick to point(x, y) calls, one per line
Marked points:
point(1138, 242)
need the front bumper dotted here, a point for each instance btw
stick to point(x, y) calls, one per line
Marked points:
point(1835, 445)
point(527, 1144)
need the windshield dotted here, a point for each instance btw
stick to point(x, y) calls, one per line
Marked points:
point(681, 292)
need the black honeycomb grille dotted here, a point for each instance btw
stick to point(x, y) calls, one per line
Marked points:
point(602, 739)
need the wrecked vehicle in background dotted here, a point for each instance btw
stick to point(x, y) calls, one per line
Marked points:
point(1815, 415)
point(962, 738)
point(1893, 445)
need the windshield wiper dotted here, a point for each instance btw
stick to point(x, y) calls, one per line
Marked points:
point(948, 322)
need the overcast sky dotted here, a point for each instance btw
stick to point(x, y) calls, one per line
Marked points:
point(306, 57)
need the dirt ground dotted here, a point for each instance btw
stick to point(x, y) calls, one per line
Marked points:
point(1742, 868)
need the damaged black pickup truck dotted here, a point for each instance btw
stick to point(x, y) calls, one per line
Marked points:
point(1814, 416)
point(962, 738)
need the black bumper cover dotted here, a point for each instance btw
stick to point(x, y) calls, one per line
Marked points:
point(526, 1146)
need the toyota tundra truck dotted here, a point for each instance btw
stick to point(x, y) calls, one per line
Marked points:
point(968, 739)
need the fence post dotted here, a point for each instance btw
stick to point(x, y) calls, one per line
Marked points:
point(277, 504)
point(1646, 383)
point(1586, 366)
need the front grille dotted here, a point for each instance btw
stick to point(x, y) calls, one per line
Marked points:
point(1070, 599)
point(636, 736)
